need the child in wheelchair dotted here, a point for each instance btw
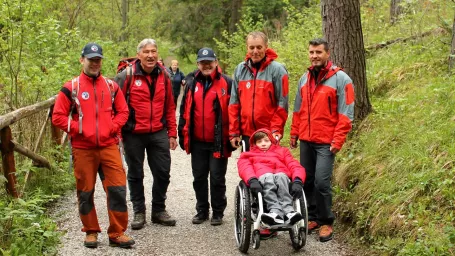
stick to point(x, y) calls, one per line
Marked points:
point(268, 169)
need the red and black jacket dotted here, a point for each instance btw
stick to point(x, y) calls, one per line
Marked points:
point(102, 119)
point(150, 95)
point(204, 112)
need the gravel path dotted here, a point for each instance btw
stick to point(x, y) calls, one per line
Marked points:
point(185, 238)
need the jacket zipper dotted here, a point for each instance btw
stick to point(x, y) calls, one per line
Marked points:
point(330, 106)
point(254, 95)
point(96, 113)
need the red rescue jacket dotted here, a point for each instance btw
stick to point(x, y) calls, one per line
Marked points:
point(259, 98)
point(101, 120)
point(204, 112)
point(151, 98)
point(324, 107)
point(277, 159)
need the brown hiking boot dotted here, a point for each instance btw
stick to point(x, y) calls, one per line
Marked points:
point(325, 233)
point(312, 225)
point(163, 218)
point(91, 240)
point(138, 221)
point(122, 241)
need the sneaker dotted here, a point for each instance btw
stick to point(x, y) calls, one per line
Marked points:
point(293, 217)
point(91, 240)
point(325, 233)
point(163, 218)
point(138, 221)
point(216, 220)
point(200, 217)
point(122, 241)
point(312, 225)
point(272, 218)
point(265, 234)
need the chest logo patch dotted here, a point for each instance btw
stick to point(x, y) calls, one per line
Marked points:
point(223, 91)
point(248, 85)
point(196, 89)
point(138, 82)
point(85, 96)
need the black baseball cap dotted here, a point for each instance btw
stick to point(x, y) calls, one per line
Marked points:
point(206, 54)
point(92, 50)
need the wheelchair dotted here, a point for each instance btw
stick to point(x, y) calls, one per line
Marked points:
point(248, 212)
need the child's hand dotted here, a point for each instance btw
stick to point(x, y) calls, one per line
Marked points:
point(255, 186)
point(296, 189)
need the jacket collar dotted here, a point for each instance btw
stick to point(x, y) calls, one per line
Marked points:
point(270, 55)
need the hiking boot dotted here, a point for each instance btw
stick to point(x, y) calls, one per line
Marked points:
point(122, 241)
point(312, 225)
point(293, 217)
point(138, 221)
point(265, 234)
point(271, 218)
point(200, 217)
point(216, 220)
point(91, 240)
point(325, 233)
point(163, 218)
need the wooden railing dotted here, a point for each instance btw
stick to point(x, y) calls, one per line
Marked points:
point(8, 145)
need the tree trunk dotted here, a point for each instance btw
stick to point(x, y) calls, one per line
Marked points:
point(343, 31)
point(452, 48)
point(236, 5)
point(395, 10)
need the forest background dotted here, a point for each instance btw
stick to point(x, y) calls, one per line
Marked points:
point(394, 178)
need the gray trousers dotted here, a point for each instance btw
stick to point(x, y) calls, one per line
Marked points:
point(318, 162)
point(276, 193)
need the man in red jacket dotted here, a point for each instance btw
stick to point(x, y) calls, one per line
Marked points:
point(259, 97)
point(151, 127)
point(323, 112)
point(92, 109)
point(204, 132)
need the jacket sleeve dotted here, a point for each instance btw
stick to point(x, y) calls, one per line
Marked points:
point(281, 87)
point(182, 120)
point(294, 166)
point(346, 96)
point(245, 167)
point(297, 105)
point(62, 108)
point(234, 107)
point(121, 115)
point(170, 109)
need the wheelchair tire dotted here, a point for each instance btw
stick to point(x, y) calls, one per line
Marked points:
point(256, 239)
point(242, 213)
point(297, 234)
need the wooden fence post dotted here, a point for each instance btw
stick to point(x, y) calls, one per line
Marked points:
point(9, 167)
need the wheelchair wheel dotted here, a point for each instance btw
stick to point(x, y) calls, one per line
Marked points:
point(298, 233)
point(256, 239)
point(242, 223)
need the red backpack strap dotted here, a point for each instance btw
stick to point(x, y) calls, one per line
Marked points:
point(128, 80)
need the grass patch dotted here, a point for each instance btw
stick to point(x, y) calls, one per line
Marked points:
point(395, 176)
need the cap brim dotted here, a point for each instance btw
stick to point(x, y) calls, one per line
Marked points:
point(206, 58)
point(93, 55)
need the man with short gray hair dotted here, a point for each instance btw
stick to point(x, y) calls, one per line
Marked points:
point(151, 127)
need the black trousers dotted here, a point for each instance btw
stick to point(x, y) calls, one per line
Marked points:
point(203, 164)
point(159, 159)
point(318, 163)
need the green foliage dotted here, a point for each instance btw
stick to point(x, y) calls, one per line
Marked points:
point(395, 175)
point(232, 48)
